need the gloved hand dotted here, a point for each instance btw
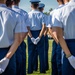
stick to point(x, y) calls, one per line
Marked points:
point(33, 40)
point(72, 61)
point(37, 39)
point(3, 64)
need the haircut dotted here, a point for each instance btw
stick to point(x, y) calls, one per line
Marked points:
point(8, 3)
point(16, 1)
point(61, 1)
point(40, 9)
point(35, 5)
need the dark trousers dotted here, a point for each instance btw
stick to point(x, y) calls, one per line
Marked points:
point(67, 69)
point(46, 45)
point(11, 68)
point(23, 69)
point(31, 51)
point(18, 60)
point(21, 59)
point(56, 59)
point(35, 60)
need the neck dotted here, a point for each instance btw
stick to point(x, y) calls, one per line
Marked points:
point(15, 4)
point(65, 1)
point(10, 6)
point(60, 3)
point(34, 8)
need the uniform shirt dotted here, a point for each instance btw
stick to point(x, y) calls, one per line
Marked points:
point(49, 24)
point(36, 19)
point(66, 20)
point(51, 17)
point(24, 17)
point(9, 25)
point(46, 19)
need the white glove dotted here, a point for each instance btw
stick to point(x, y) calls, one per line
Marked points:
point(72, 61)
point(33, 40)
point(3, 64)
point(37, 39)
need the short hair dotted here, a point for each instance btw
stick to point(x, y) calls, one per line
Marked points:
point(35, 5)
point(16, 1)
point(8, 2)
point(40, 9)
point(61, 1)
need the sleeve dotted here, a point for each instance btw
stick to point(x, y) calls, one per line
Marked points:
point(24, 27)
point(26, 19)
point(43, 19)
point(49, 24)
point(18, 24)
point(46, 19)
point(57, 19)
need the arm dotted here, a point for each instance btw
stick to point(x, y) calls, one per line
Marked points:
point(29, 32)
point(42, 31)
point(46, 30)
point(24, 34)
point(53, 34)
point(14, 46)
point(5, 61)
point(62, 42)
point(41, 34)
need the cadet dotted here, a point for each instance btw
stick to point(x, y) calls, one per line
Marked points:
point(20, 54)
point(41, 8)
point(56, 49)
point(21, 70)
point(10, 39)
point(65, 22)
point(36, 38)
point(46, 45)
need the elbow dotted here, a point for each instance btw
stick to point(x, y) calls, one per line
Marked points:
point(24, 36)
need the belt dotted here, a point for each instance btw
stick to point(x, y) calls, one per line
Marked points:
point(35, 30)
point(6, 47)
point(70, 40)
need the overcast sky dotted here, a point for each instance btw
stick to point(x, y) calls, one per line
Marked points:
point(25, 4)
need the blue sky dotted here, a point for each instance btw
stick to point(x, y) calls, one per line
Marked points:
point(25, 4)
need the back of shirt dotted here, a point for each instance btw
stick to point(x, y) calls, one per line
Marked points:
point(24, 17)
point(9, 25)
point(36, 20)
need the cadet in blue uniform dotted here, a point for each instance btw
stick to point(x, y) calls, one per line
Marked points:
point(20, 53)
point(41, 8)
point(65, 22)
point(22, 68)
point(56, 48)
point(36, 38)
point(10, 39)
point(46, 45)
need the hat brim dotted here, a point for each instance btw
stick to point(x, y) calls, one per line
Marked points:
point(35, 1)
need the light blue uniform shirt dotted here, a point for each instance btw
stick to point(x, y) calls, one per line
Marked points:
point(36, 19)
point(51, 17)
point(66, 20)
point(9, 25)
point(24, 17)
point(46, 19)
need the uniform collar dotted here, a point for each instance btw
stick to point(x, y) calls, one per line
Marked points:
point(34, 10)
point(15, 6)
point(72, 0)
point(3, 5)
point(61, 5)
point(66, 3)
